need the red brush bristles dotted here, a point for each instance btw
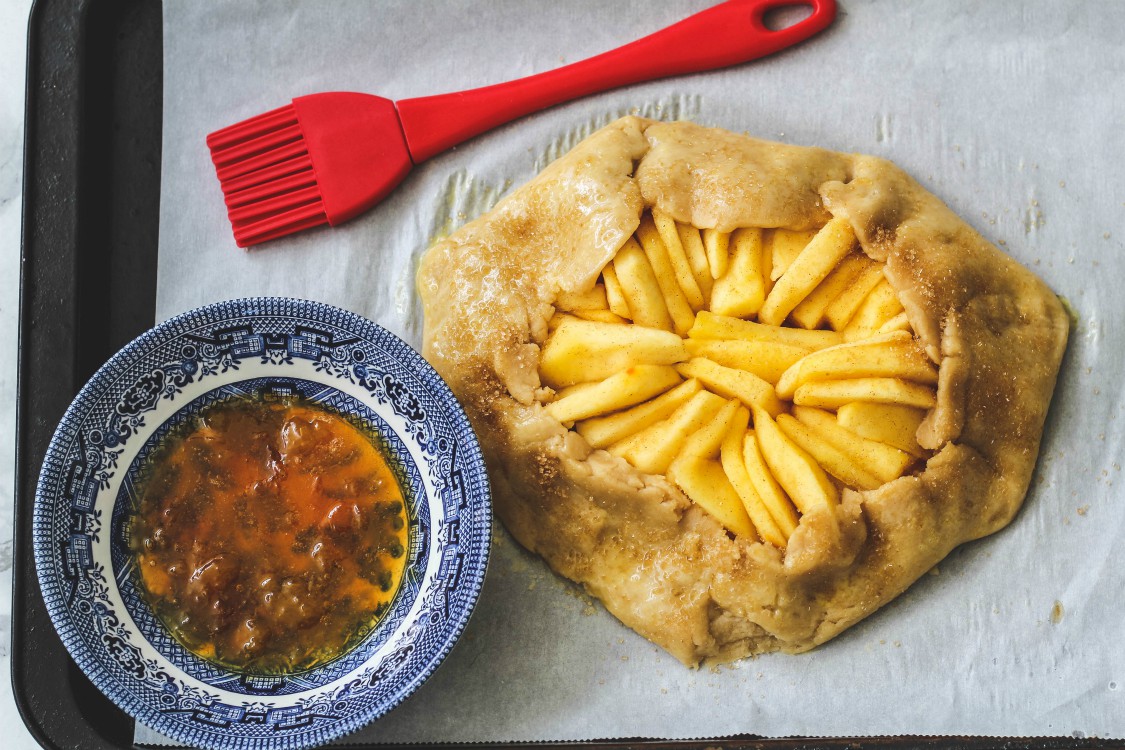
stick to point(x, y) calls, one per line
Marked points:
point(267, 177)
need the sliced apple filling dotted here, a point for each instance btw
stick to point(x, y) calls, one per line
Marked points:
point(762, 371)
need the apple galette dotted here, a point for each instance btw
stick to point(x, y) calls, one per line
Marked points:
point(744, 393)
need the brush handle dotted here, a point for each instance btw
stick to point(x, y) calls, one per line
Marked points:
point(718, 37)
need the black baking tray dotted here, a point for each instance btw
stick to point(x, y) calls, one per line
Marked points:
point(88, 286)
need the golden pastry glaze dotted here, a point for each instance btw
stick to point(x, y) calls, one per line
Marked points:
point(659, 563)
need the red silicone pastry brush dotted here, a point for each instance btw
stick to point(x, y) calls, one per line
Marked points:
point(326, 158)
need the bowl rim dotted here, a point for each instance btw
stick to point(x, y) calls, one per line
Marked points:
point(476, 491)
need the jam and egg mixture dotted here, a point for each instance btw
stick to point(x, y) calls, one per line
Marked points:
point(271, 534)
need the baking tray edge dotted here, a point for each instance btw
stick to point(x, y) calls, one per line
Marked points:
point(87, 286)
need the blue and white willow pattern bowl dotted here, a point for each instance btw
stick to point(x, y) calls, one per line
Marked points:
point(87, 489)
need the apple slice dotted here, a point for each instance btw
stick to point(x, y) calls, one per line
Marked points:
point(705, 442)
point(590, 299)
point(638, 284)
point(615, 295)
point(731, 383)
point(810, 312)
point(877, 308)
point(783, 247)
point(879, 459)
point(697, 255)
point(832, 394)
point(767, 360)
point(716, 245)
point(823, 253)
point(674, 298)
point(600, 316)
point(835, 461)
point(841, 309)
point(734, 465)
point(600, 432)
point(710, 326)
point(891, 424)
point(678, 257)
point(740, 291)
point(653, 449)
point(780, 507)
point(705, 483)
point(899, 322)
point(795, 470)
point(889, 355)
point(767, 261)
point(581, 351)
point(627, 388)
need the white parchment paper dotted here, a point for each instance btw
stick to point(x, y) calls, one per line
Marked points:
point(1011, 112)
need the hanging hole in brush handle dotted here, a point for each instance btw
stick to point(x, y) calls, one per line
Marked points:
point(727, 34)
point(781, 17)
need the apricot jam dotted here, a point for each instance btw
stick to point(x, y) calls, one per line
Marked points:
point(271, 534)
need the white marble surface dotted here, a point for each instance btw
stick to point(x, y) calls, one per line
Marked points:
point(13, 47)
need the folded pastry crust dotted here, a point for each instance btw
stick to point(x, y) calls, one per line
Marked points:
point(658, 562)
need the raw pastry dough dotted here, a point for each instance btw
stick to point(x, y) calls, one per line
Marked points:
point(658, 562)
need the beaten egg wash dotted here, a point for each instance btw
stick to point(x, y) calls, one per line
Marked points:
point(271, 534)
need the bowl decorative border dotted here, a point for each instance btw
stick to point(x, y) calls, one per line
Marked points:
point(151, 379)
